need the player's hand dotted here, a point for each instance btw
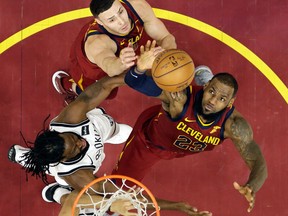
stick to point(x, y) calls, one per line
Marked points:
point(179, 96)
point(123, 207)
point(176, 102)
point(248, 193)
point(190, 210)
point(128, 56)
point(148, 54)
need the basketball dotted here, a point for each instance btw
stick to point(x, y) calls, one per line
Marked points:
point(173, 70)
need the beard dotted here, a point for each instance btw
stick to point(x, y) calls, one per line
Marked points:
point(199, 110)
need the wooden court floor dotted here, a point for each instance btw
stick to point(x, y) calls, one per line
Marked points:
point(247, 38)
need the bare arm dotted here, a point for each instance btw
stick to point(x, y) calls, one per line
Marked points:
point(101, 49)
point(80, 178)
point(119, 206)
point(240, 132)
point(91, 98)
point(154, 27)
point(181, 207)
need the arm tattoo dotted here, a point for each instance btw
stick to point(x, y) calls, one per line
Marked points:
point(242, 137)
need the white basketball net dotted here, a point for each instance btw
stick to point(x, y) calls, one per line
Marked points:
point(135, 196)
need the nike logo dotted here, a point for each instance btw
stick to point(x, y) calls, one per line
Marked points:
point(189, 120)
point(215, 128)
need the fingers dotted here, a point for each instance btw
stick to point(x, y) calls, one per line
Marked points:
point(173, 94)
point(193, 211)
point(123, 207)
point(248, 193)
point(251, 198)
point(251, 206)
point(128, 205)
point(204, 213)
point(127, 56)
point(130, 45)
point(201, 213)
point(178, 96)
point(157, 50)
point(148, 45)
point(237, 186)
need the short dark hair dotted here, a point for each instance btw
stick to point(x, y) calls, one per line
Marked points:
point(99, 6)
point(48, 149)
point(227, 79)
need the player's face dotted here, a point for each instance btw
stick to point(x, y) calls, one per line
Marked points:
point(74, 145)
point(115, 20)
point(216, 97)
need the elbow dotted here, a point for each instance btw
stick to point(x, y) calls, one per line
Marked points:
point(263, 168)
point(115, 73)
point(111, 72)
point(265, 171)
point(169, 42)
point(173, 42)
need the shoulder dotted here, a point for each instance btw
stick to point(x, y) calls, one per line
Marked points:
point(99, 41)
point(72, 114)
point(237, 127)
point(137, 3)
point(143, 8)
point(97, 44)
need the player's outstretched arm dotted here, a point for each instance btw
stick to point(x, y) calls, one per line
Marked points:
point(240, 132)
point(89, 99)
point(182, 207)
point(120, 206)
point(154, 27)
point(147, 56)
point(136, 77)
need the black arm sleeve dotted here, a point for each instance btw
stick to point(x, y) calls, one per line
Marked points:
point(142, 83)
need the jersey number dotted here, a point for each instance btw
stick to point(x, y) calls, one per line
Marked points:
point(186, 143)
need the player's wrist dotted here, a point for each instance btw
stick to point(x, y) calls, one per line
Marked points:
point(250, 187)
point(139, 70)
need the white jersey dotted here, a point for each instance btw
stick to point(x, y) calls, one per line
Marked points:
point(96, 130)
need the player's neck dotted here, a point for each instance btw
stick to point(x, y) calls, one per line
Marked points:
point(205, 118)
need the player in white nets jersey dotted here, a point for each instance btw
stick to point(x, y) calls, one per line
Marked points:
point(72, 151)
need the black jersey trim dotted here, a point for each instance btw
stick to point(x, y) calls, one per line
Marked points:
point(133, 10)
point(228, 114)
point(75, 169)
point(78, 157)
point(69, 125)
point(95, 32)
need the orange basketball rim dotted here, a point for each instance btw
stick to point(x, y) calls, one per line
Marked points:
point(109, 177)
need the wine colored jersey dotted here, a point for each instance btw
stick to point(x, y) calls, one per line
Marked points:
point(84, 72)
point(187, 134)
point(156, 136)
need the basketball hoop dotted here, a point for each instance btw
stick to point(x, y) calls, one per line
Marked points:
point(123, 190)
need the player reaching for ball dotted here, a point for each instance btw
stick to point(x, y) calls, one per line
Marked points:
point(72, 149)
point(108, 44)
point(190, 121)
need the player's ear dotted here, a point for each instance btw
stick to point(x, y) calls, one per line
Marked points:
point(231, 102)
point(99, 21)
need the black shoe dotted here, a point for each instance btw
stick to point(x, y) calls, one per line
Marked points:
point(49, 191)
point(12, 154)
